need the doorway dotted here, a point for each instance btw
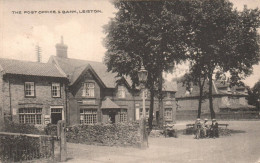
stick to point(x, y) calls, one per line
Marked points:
point(56, 115)
point(112, 116)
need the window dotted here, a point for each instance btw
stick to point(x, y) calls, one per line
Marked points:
point(30, 115)
point(29, 89)
point(168, 114)
point(147, 112)
point(123, 115)
point(121, 92)
point(55, 89)
point(88, 116)
point(88, 89)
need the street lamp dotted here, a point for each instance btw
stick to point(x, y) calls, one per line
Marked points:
point(142, 75)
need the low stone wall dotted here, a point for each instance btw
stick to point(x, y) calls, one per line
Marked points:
point(119, 134)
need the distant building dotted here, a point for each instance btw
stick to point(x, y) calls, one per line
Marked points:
point(225, 99)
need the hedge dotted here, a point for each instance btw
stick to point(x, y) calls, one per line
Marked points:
point(10, 126)
point(119, 134)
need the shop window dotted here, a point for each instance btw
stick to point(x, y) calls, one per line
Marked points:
point(30, 115)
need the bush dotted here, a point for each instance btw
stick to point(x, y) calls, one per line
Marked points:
point(51, 129)
point(120, 134)
point(21, 128)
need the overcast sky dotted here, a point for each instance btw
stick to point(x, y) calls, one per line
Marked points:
point(82, 32)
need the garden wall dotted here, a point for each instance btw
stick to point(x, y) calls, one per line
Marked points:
point(119, 134)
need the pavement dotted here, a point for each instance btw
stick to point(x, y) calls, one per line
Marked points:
point(241, 147)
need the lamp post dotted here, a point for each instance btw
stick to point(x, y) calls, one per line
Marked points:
point(142, 75)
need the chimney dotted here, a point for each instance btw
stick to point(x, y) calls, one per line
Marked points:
point(61, 49)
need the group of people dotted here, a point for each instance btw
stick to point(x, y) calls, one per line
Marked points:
point(205, 129)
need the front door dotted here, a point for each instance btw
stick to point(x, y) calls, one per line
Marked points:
point(56, 115)
point(112, 116)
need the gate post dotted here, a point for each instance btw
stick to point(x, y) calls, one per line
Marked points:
point(61, 127)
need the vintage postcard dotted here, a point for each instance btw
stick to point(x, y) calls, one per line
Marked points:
point(80, 81)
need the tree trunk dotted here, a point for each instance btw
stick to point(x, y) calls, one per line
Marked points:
point(201, 86)
point(160, 106)
point(200, 101)
point(150, 119)
point(212, 113)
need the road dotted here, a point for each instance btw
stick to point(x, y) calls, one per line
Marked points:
point(241, 147)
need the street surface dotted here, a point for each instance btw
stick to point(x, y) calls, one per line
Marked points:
point(242, 147)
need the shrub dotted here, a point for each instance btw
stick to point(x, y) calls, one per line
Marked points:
point(51, 129)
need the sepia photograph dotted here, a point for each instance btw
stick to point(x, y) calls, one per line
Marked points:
point(130, 81)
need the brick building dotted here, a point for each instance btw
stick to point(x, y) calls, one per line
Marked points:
point(32, 92)
point(96, 95)
point(74, 90)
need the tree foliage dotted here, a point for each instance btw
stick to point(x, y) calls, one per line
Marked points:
point(148, 32)
point(222, 38)
point(254, 95)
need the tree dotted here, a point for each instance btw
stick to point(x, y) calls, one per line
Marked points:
point(197, 76)
point(148, 32)
point(254, 95)
point(224, 38)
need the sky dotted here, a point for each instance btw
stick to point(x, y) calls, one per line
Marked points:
point(27, 23)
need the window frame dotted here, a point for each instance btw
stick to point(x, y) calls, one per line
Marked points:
point(34, 90)
point(93, 116)
point(147, 112)
point(25, 115)
point(52, 84)
point(123, 116)
point(84, 92)
point(167, 117)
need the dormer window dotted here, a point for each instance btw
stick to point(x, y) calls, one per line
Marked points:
point(121, 92)
point(89, 89)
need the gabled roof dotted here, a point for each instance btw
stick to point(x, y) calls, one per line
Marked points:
point(18, 67)
point(108, 104)
point(74, 67)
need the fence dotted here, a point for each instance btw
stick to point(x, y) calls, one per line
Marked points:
point(220, 115)
point(15, 147)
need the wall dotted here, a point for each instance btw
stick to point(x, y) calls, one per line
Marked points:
point(43, 98)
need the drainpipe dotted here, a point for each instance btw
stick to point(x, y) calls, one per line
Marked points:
point(10, 97)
